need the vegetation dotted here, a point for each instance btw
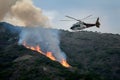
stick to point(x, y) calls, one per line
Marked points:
point(94, 56)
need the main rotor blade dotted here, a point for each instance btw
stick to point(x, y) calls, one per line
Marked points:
point(66, 20)
point(86, 17)
point(72, 18)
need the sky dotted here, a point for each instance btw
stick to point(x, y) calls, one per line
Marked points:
point(107, 10)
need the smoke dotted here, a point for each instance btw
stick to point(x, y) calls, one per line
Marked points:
point(22, 13)
point(47, 39)
point(5, 6)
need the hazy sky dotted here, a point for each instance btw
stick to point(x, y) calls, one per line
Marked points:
point(107, 10)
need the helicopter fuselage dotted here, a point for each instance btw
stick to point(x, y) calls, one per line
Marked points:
point(81, 25)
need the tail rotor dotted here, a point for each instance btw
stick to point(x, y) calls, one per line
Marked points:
point(97, 23)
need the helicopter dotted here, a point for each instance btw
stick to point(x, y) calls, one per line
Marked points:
point(80, 25)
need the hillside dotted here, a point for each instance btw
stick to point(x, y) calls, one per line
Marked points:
point(92, 55)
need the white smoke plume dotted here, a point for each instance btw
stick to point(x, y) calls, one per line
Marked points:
point(22, 12)
point(47, 39)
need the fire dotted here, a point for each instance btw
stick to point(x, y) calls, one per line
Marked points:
point(64, 63)
point(48, 54)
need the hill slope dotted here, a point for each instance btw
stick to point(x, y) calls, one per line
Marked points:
point(94, 56)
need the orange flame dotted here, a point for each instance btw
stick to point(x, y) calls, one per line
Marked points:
point(48, 54)
point(64, 63)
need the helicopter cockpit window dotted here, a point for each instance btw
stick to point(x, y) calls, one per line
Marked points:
point(77, 25)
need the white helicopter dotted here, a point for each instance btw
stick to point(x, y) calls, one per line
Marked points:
point(82, 25)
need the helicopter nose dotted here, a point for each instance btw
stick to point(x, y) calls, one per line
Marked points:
point(72, 28)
